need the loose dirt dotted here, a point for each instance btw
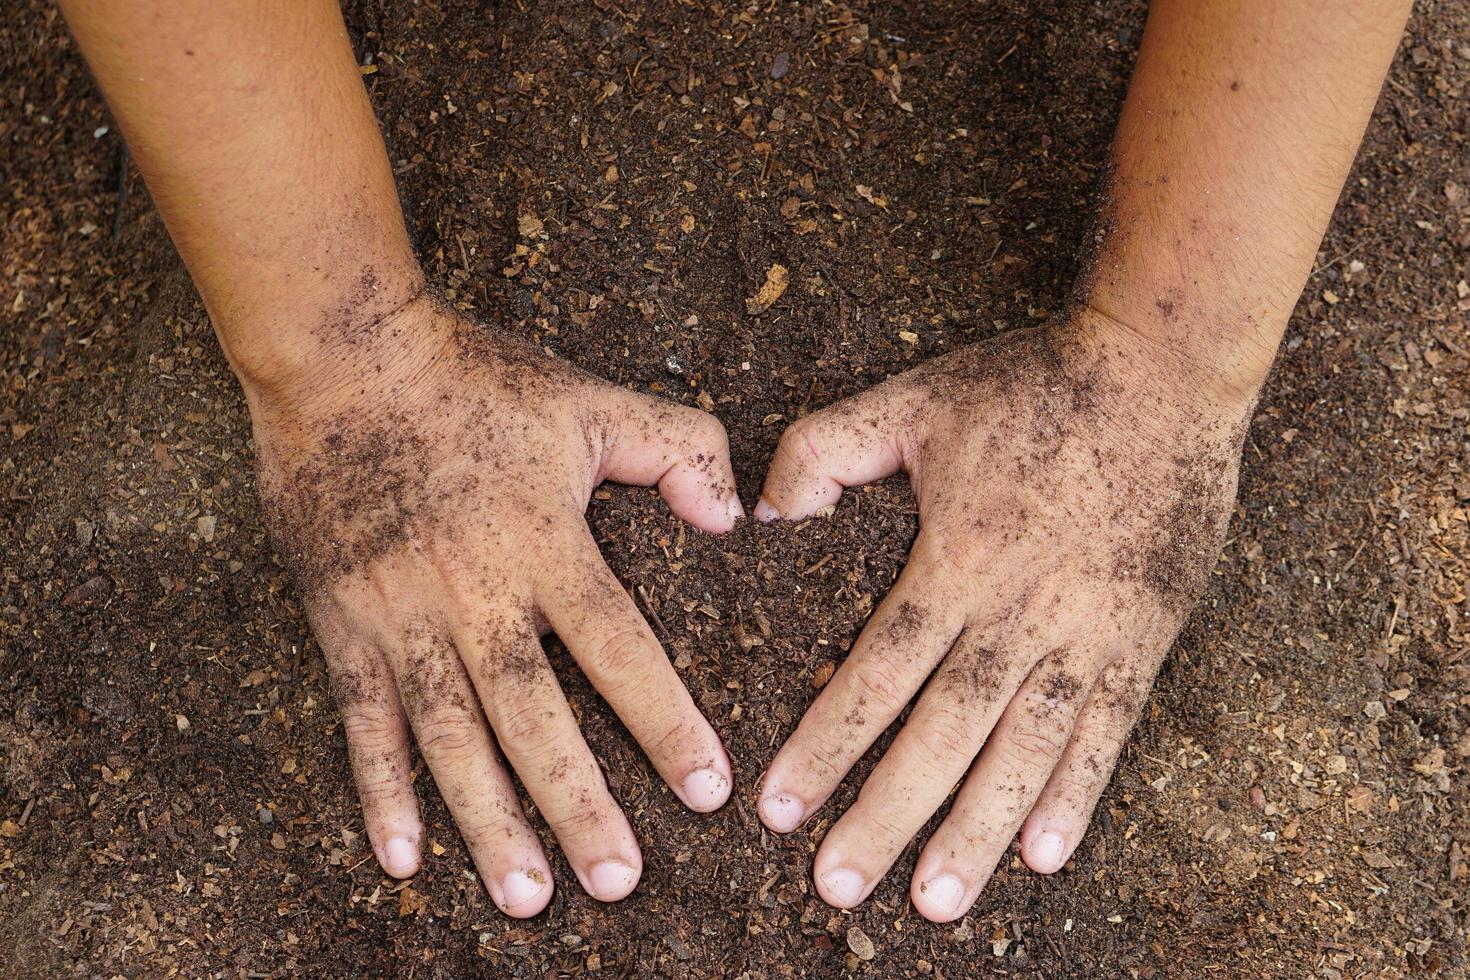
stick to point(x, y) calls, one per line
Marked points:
point(613, 182)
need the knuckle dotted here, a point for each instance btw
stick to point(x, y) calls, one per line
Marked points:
point(525, 728)
point(482, 823)
point(947, 735)
point(709, 430)
point(581, 821)
point(795, 444)
point(877, 829)
point(1032, 745)
point(373, 731)
point(820, 757)
point(878, 680)
point(828, 756)
point(674, 739)
point(618, 652)
point(447, 734)
point(380, 785)
point(950, 559)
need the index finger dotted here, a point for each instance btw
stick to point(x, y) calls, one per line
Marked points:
point(901, 645)
point(607, 636)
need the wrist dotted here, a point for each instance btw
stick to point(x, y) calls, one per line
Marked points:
point(1216, 367)
point(279, 343)
point(319, 363)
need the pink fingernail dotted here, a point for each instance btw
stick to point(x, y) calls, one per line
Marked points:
point(400, 857)
point(942, 895)
point(781, 812)
point(845, 887)
point(1048, 852)
point(611, 880)
point(733, 505)
point(522, 888)
point(705, 790)
point(765, 513)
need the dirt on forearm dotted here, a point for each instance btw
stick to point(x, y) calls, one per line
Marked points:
point(613, 183)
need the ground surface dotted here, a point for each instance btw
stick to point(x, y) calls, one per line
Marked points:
point(175, 794)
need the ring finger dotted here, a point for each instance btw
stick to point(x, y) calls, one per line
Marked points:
point(455, 742)
point(539, 735)
point(1017, 760)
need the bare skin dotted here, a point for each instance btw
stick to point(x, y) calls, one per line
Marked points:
point(433, 518)
point(423, 477)
point(1074, 482)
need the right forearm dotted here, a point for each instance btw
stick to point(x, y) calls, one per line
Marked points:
point(252, 128)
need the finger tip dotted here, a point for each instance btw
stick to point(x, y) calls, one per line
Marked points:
point(764, 512)
point(399, 857)
point(611, 880)
point(939, 898)
point(1045, 852)
point(735, 510)
point(705, 790)
point(780, 812)
point(526, 892)
point(842, 888)
point(711, 517)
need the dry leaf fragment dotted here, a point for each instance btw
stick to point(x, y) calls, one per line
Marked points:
point(410, 902)
point(866, 193)
point(823, 674)
point(777, 279)
point(1378, 860)
point(1431, 762)
point(530, 226)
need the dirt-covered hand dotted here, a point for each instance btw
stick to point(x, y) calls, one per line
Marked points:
point(430, 504)
point(1070, 506)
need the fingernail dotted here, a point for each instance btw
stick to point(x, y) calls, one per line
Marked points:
point(520, 888)
point(765, 513)
point(733, 505)
point(611, 880)
point(782, 813)
point(400, 857)
point(1048, 851)
point(943, 894)
point(705, 790)
point(845, 887)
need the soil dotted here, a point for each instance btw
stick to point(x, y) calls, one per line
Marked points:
point(614, 182)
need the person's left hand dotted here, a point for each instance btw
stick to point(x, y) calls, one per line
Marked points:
point(1071, 505)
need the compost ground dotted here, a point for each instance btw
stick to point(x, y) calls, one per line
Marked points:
point(613, 182)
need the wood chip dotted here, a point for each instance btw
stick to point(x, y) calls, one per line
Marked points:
point(777, 279)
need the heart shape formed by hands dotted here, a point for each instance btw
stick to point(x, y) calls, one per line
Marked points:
point(438, 539)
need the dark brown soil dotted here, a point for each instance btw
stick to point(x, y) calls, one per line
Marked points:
point(175, 796)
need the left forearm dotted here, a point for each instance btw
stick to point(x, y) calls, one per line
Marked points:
point(1241, 123)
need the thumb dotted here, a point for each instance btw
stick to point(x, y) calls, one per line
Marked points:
point(649, 441)
point(853, 442)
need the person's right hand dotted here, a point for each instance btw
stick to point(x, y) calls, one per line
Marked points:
point(428, 496)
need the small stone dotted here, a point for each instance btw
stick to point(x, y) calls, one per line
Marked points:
point(86, 531)
point(781, 65)
point(860, 944)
